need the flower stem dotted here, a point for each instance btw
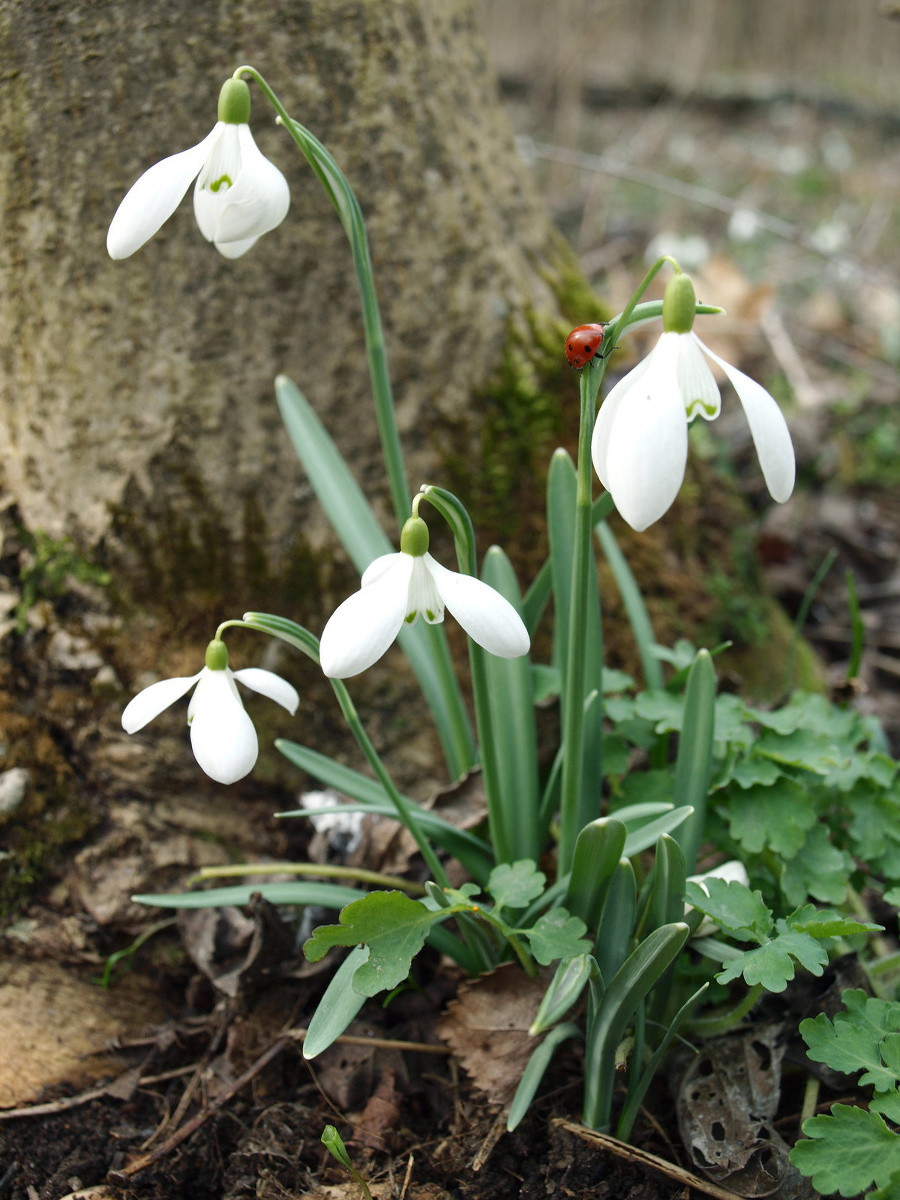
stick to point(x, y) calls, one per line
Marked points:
point(455, 729)
point(407, 817)
point(625, 315)
point(578, 805)
point(299, 637)
point(344, 200)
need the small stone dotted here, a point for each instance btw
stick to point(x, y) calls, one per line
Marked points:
point(106, 682)
point(72, 652)
point(13, 787)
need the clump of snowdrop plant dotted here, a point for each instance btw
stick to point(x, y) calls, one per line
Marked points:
point(611, 919)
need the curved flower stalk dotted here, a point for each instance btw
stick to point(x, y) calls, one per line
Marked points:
point(640, 439)
point(223, 737)
point(395, 589)
point(239, 194)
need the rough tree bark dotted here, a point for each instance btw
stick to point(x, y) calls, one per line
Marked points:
point(136, 402)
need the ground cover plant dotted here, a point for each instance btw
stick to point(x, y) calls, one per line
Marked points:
point(585, 865)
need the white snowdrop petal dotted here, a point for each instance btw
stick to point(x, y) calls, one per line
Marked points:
point(216, 180)
point(699, 389)
point(155, 699)
point(486, 616)
point(234, 249)
point(647, 442)
point(378, 568)
point(424, 598)
point(606, 415)
point(267, 683)
point(768, 429)
point(211, 681)
point(259, 199)
point(360, 630)
point(154, 197)
point(222, 735)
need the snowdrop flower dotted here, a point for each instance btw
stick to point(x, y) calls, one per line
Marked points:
point(640, 439)
point(395, 589)
point(222, 735)
point(239, 194)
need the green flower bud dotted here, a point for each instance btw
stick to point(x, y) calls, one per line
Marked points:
point(679, 305)
point(234, 102)
point(216, 655)
point(414, 537)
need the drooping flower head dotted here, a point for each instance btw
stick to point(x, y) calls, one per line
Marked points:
point(397, 588)
point(223, 737)
point(640, 440)
point(239, 194)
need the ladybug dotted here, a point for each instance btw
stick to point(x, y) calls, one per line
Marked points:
point(582, 344)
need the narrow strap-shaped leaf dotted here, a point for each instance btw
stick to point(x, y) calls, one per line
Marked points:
point(489, 746)
point(561, 484)
point(638, 1085)
point(534, 1072)
point(633, 602)
point(338, 1006)
point(565, 987)
point(511, 701)
point(666, 907)
point(647, 834)
point(597, 853)
point(641, 970)
point(538, 595)
point(562, 511)
point(616, 929)
point(667, 899)
point(693, 765)
point(323, 895)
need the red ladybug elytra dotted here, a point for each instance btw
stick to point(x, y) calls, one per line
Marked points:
point(582, 344)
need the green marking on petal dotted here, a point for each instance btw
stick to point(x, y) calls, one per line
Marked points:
point(410, 617)
point(430, 615)
point(222, 180)
point(695, 407)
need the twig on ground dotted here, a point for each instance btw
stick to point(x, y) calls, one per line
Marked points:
point(348, 1039)
point(494, 1134)
point(189, 1127)
point(635, 1154)
point(808, 394)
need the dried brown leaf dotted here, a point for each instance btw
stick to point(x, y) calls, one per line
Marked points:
point(487, 1028)
point(726, 1103)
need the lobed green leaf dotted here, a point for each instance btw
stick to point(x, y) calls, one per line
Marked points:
point(394, 928)
point(847, 1151)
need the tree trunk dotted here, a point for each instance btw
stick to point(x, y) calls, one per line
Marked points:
point(136, 400)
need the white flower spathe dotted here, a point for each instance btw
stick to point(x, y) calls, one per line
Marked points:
point(222, 735)
point(640, 439)
point(239, 194)
point(394, 590)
